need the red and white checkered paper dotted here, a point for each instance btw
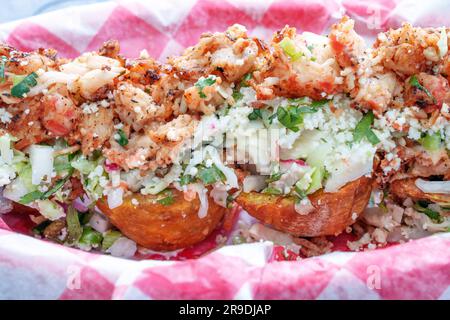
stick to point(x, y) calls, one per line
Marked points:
point(36, 269)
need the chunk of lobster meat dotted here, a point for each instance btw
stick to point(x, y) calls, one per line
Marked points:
point(430, 90)
point(208, 98)
point(95, 73)
point(376, 92)
point(157, 146)
point(95, 129)
point(135, 107)
point(231, 53)
point(137, 153)
point(307, 68)
point(408, 50)
point(347, 45)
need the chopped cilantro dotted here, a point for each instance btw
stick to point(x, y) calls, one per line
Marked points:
point(237, 95)
point(274, 177)
point(210, 175)
point(3, 61)
point(204, 82)
point(363, 129)
point(245, 79)
point(255, 114)
point(39, 195)
point(186, 179)
point(413, 81)
point(23, 86)
point(121, 138)
point(271, 190)
point(433, 215)
point(166, 198)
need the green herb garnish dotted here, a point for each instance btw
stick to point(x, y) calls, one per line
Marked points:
point(166, 198)
point(74, 229)
point(245, 79)
point(210, 175)
point(433, 215)
point(39, 195)
point(3, 61)
point(30, 197)
point(414, 82)
point(274, 177)
point(431, 142)
point(204, 82)
point(290, 49)
point(363, 129)
point(109, 238)
point(237, 95)
point(255, 114)
point(90, 237)
point(121, 138)
point(23, 86)
point(186, 179)
point(271, 190)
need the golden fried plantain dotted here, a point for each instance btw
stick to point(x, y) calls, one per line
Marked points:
point(406, 188)
point(333, 211)
point(163, 227)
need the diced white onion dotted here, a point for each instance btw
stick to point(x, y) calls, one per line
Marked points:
point(219, 194)
point(443, 43)
point(99, 222)
point(433, 186)
point(261, 232)
point(254, 183)
point(304, 207)
point(115, 198)
point(41, 159)
point(123, 247)
point(6, 152)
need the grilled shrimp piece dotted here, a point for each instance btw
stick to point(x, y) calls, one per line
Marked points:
point(95, 73)
point(25, 123)
point(307, 68)
point(143, 71)
point(135, 107)
point(376, 92)
point(59, 113)
point(229, 56)
point(231, 53)
point(94, 130)
point(24, 63)
point(408, 50)
point(136, 154)
point(157, 146)
point(110, 49)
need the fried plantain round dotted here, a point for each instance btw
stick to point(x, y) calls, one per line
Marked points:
point(406, 188)
point(163, 227)
point(332, 214)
